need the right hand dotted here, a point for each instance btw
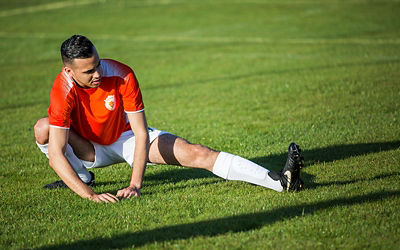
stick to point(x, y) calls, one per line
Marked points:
point(128, 192)
point(106, 197)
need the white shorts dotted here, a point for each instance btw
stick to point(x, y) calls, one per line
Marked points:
point(120, 151)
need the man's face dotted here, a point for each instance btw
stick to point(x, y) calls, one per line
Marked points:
point(86, 71)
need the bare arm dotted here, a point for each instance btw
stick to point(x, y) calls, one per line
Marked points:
point(139, 126)
point(58, 139)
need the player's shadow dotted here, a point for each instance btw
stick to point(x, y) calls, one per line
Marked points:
point(221, 226)
point(329, 154)
point(332, 153)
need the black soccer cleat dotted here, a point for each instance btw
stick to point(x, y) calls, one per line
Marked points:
point(293, 165)
point(61, 184)
point(290, 174)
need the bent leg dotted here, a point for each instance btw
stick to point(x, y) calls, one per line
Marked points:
point(41, 130)
point(83, 148)
point(169, 149)
point(42, 138)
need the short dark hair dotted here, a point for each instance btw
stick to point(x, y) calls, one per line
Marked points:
point(77, 46)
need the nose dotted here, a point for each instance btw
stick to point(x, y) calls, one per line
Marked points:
point(97, 74)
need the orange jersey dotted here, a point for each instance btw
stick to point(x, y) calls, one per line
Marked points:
point(97, 114)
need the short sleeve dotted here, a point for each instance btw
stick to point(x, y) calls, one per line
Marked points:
point(61, 105)
point(131, 94)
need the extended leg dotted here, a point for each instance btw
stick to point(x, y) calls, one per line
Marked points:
point(172, 150)
point(169, 149)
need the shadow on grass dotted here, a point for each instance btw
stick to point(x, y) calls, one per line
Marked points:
point(275, 163)
point(176, 175)
point(180, 186)
point(331, 153)
point(311, 184)
point(167, 189)
point(220, 226)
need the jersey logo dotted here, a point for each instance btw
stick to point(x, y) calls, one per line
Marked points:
point(109, 102)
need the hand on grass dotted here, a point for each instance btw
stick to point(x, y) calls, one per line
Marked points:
point(128, 192)
point(106, 197)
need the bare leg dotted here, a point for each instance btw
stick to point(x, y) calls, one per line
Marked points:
point(172, 150)
point(77, 149)
point(83, 149)
point(42, 131)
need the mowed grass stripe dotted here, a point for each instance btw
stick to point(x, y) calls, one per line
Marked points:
point(214, 39)
point(44, 7)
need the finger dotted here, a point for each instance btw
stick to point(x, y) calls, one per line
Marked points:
point(130, 195)
point(97, 200)
point(112, 197)
point(102, 199)
point(120, 192)
point(107, 198)
point(124, 194)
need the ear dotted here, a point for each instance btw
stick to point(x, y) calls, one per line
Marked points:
point(69, 71)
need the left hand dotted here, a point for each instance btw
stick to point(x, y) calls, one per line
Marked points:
point(128, 192)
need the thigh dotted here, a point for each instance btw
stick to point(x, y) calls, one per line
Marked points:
point(106, 155)
point(172, 150)
point(163, 149)
point(125, 146)
point(83, 148)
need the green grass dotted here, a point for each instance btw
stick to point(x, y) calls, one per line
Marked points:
point(245, 77)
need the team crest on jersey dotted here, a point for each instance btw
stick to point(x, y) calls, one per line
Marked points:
point(109, 102)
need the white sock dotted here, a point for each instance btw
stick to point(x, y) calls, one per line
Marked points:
point(233, 167)
point(75, 162)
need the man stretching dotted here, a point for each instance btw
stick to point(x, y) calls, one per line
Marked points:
point(96, 118)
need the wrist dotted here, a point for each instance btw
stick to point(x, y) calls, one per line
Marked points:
point(87, 193)
point(135, 186)
point(90, 196)
point(135, 182)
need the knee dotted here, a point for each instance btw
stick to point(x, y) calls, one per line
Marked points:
point(42, 131)
point(202, 156)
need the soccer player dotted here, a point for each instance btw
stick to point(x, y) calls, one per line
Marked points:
point(96, 118)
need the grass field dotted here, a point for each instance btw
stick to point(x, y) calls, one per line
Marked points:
point(247, 77)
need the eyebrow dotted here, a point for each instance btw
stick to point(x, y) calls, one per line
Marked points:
point(92, 70)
